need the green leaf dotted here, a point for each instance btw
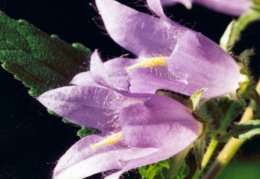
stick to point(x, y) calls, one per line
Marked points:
point(86, 131)
point(236, 27)
point(40, 61)
point(173, 168)
point(246, 130)
point(154, 170)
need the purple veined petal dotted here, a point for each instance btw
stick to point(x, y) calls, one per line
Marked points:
point(231, 7)
point(83, 78)
point(203, 65)
point(190, 68)
point(111, 73)
point(159, 120)
point(157, 5)
point(160, 155)
point(81, 161)
point(175, 130)
point(143, 161)
point(186, 3)
point(148, 80)
point(96, 75)
point(142, 34)
point(90, 106)
point(98, 71)
point(116, 71)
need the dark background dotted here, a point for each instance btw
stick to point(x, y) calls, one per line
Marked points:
point(31, 140)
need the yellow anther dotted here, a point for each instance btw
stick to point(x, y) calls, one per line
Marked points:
point(110, 140)
point(150, 62)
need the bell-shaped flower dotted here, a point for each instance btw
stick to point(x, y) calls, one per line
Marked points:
point(170, 56)
point(230, 7)
point(137, 129)
point(110, 74)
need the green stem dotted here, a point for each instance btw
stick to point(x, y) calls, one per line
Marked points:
point(229, 149)
point(206, 158)
point(210, 150)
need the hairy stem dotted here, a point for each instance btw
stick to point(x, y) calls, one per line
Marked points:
point(229, 149)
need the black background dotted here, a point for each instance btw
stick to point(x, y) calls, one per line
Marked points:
point(31, 140)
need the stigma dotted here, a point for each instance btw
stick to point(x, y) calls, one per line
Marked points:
point(110, 140)
point(150, 62)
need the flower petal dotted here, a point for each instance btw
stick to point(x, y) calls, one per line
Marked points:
point(186, 3)
point(159, 120)
point(83, 78)
point(142, 34)
point(231, 7)
point(191, 68)
point(155, 157)
point(81, 161)
point(89, 106)
point(203, 65)
point(148, 80)
point(111, 73)
point(98, 71)
point(161, 123)
point(157, 5)
point(116, 71)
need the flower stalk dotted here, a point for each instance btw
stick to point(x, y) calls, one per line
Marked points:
point(229, 149)
point(206, 158)
point(209, 152)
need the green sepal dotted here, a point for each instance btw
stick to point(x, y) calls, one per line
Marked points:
point(40, 61)
point(220, 113)
point(185, 100)
point(246, 130)
point(195, 98)
point(190, 102)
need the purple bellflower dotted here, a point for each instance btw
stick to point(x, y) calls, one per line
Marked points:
point(231, 7)
point(110, 74)
point(136, 129)
point(170, 56)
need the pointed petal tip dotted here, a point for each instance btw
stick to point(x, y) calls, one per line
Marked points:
point(140, 33)
point(204, 59)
